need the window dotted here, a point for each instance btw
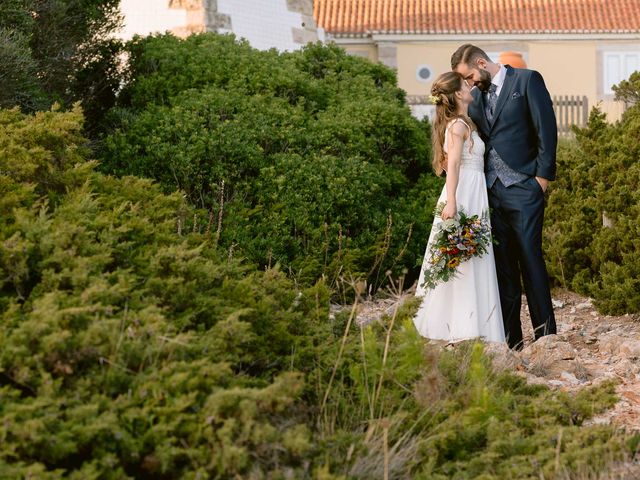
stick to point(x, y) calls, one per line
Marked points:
point(619, 66)
point(424, 73)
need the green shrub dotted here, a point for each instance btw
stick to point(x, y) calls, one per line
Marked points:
point(19, 82)
point(132, 347)
point(130, 350)
point(591, 231)
point(310, 160)
point(60, 51)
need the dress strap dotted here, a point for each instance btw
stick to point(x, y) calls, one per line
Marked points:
point(446, 131)
point(458, 119)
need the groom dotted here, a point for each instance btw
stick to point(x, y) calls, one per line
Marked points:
point(514, 115)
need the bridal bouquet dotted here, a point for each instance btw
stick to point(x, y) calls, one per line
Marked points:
point(455, 241)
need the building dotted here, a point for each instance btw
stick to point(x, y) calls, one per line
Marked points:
point(581, 47)
point(281, 24)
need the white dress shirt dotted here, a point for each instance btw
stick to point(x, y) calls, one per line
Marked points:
point(498, 79)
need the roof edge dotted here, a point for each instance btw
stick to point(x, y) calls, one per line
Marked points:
point(528, 36)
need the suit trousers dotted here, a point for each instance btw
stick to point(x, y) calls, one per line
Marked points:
point(517, 214)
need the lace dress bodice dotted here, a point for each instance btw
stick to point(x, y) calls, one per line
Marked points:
point(472, 150)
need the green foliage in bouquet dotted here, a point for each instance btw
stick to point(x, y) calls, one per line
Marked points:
point(455, 241)
point(592, 233)
point(310, 160)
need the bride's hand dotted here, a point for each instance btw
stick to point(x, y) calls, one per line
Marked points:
point(449, 211)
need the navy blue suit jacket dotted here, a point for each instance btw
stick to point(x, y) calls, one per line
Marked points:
point(523, 131)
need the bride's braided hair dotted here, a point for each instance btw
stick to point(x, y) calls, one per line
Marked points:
point(443, 96)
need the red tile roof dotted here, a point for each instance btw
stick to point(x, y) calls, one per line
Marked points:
point(362, 17)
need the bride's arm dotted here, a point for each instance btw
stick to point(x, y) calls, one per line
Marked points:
point(455, 140)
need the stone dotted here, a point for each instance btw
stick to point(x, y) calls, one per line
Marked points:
point(584, 305)
point(600, 420)
point(570, 378)
point(556, 383)
point(557, 303)
point(549, 356)
point(503, 358)
point(629, 349)
point(626, 369)
point(552, 347)
point(533, 379)
point(609, 344)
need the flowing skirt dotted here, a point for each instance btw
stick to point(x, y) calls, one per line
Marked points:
point(467, 306)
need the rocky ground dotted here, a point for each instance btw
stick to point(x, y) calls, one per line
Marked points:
point(588, 348)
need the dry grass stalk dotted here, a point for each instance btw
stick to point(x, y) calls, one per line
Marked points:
point(397, 291)
point(219, 228)
point(358, 288)
point(385, 446)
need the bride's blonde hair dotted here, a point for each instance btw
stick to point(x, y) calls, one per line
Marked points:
point(443, 96)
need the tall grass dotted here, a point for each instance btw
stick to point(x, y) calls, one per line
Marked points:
point(397, 406)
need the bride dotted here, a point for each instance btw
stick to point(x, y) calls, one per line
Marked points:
point(467, 306)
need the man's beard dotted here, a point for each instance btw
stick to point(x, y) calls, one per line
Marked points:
point(485, 81)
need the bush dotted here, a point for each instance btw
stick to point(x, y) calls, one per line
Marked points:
point(60, 51)
point(122, 339)
point(591, 226)
point(133, 348)
point(18, 82)
point(311, 160)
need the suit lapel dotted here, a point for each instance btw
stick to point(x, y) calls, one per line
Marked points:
point(505, 93)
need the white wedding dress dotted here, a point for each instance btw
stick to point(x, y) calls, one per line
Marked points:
point(467, 306)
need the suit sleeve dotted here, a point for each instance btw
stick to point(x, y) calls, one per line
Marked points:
point(544, 122)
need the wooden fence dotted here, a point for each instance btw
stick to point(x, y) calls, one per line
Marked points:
point(570, 110)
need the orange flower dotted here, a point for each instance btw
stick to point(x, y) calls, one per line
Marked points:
point(453, 263)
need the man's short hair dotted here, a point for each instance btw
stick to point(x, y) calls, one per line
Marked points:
point(467, 54)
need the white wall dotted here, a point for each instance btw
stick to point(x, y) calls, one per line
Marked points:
point(144, 17)
point(264, 23)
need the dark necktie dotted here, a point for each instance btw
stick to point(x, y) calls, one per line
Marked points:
point(492, 100)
